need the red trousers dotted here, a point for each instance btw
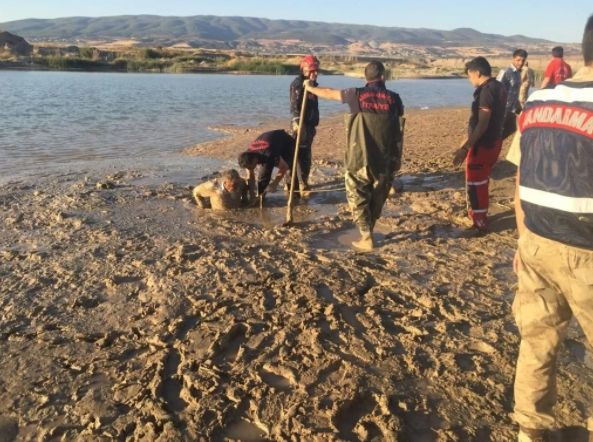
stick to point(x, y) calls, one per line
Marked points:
point(478, 166)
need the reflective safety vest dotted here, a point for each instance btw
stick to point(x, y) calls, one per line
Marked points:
point(556, 169)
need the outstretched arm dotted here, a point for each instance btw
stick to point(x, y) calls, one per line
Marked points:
point(326, 93)
point(203, 192)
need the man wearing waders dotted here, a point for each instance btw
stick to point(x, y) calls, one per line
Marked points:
point(374, 149)
point(309, 68)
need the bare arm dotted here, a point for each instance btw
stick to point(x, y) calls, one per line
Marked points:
point(326, 93)
point(202, 192)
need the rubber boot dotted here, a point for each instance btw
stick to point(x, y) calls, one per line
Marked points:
point(365, 243)
point(305, 190)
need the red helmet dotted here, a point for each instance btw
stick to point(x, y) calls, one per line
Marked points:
point(310, 62)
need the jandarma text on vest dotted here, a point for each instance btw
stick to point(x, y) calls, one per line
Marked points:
point(558, 116)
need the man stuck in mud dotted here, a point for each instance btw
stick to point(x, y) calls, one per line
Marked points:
point(273, 149)
point(224, 193)
point(554, 260)
point(374, 148)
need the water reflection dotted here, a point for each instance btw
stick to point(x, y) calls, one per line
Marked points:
point(56, 118)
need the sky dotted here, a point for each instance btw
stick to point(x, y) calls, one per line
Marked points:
point(549, 19)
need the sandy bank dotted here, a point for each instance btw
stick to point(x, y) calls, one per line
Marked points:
point(128, 313)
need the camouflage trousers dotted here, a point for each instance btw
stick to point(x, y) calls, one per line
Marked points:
point(366, 194)
point(555, 283)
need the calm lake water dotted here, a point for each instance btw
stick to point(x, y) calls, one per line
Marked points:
point(63, 121)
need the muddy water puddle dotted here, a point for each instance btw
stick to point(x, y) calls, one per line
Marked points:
point(245, 431)
point(342, 239)
point(424, 182)
point(312, 209)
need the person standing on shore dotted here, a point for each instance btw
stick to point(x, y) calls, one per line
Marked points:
point(273, 149)
point(480, 149)
point(511, 80)
point(554, 261)
point(557, 70)
point(309, 70)
point(374, 149)
point(527, 82)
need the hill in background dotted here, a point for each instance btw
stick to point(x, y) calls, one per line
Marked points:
point(234, 32)
point(256, 45)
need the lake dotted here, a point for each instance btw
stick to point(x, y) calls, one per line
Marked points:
point(70, 121)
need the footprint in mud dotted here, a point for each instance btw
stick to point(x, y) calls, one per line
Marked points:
point(275, 381)
point(172, 384)
point(188, 323)
point(342, 239)
point(465, 362)
point(268, 301)
point(325, 375)
point(347, 418)
point(230, 345)
point(244, 431)
point(347, 313)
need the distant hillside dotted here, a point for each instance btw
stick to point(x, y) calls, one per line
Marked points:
point(155, 29)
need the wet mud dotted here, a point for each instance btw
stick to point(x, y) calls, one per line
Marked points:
point(128, 313)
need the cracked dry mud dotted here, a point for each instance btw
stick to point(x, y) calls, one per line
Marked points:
point(127, 313)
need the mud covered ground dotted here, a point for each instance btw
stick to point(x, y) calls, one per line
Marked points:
point(127, 313)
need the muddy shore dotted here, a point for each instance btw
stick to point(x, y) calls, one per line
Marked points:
point(128, 313)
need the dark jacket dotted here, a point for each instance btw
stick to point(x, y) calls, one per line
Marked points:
point(373, 129)
point(271, 146)
point(296, 101)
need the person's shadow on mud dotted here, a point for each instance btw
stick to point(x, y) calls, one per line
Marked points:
point(503, 169)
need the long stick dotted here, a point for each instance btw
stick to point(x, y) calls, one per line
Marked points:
point(295, 159)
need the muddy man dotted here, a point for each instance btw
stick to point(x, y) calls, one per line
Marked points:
point(224, 193)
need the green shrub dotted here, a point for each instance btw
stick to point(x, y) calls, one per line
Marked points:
point(262, 66)
point(146, 65)
point(62, 63)
point(86, 52)
point(150, 54)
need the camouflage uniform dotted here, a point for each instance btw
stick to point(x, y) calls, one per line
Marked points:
point(554, 152)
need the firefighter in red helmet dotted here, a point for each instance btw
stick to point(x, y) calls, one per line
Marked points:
point(309, 69)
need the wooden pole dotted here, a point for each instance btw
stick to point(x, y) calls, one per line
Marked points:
point(295, 159)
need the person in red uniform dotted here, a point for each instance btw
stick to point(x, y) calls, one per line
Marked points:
point(482, 146)
point(557, 70)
